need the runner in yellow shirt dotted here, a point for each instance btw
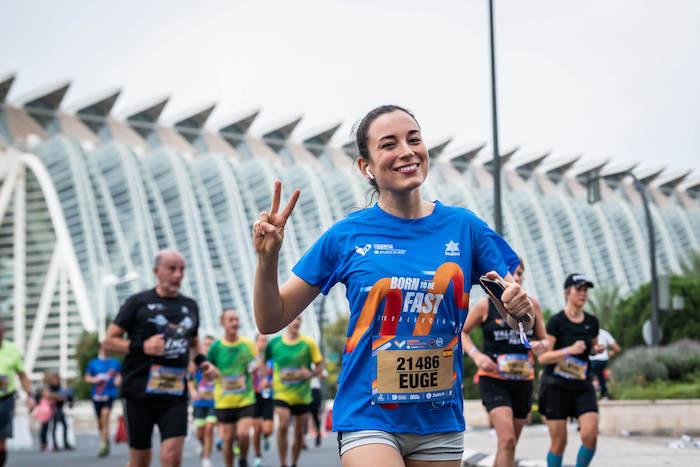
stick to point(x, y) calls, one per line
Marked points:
point(295, 360)
point(234, 357)
point(10, 365)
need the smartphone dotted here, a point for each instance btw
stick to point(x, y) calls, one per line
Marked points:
point(494, 289)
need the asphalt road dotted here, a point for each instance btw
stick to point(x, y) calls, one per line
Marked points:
point(85, 454)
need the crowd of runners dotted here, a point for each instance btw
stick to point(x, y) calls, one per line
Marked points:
point(408, 265)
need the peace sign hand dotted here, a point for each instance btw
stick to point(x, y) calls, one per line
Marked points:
point(268, 231)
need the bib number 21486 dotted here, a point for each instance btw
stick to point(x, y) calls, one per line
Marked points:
point(417, 369)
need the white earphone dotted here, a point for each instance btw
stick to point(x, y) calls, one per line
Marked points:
point(370, 175)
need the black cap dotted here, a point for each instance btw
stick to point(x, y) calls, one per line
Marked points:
point(577, 279)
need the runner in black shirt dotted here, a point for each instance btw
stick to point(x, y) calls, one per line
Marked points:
point(162, 330)
point(567, 390)
point(505, 369)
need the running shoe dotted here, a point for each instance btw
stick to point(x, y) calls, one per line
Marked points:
point(266, 443)
point(257, 462)
point(206, 462)
point(237, 450)
point(104, 450)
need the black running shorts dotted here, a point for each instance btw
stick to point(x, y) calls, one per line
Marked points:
point(143, 414)
point(506, 393)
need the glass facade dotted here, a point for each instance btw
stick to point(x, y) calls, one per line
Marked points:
point(122, 202)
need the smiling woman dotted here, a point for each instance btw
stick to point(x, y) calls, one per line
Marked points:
point(407, 265)
point(401, 160)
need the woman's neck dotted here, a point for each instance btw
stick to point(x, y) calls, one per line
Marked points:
point(573, 311)
point(407, 206)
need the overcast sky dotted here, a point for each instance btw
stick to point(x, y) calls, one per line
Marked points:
point(604, 78)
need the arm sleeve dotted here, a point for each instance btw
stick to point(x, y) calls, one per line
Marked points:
point(596, 327)
point(316, 356)
point(490, 252)
point(319, 265)
point(19, 365)
point(211, 355)
point(552, 328)
point(127, 314)
point(195, 332)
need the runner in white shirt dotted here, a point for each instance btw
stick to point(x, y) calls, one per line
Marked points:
point(599, 362)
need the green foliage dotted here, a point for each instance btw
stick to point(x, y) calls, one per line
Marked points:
point(88, 348)
point(334, 337)
point(603, 302)
point(658, 390)
point(626, 323)
point(642, 366)
point(691, 265)
point(639, 365)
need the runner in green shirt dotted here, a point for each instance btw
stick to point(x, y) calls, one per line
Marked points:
point(234, 357)
point(295, 358)
point(11, 364)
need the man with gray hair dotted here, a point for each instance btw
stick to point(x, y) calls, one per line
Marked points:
point(161, 327)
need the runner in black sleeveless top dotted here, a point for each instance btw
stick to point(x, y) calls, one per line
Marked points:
point(505, 370)
point(567, 389)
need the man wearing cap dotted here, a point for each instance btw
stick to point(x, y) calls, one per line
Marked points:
point(567, 388)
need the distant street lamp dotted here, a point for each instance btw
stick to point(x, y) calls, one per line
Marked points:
point(593, 189)
point(497, 214)
point(110, 280)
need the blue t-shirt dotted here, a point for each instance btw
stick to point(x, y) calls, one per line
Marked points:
point(107, 369)
point(205, 388)
point(407, 284)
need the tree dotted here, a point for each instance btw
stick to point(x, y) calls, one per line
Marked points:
point(603, 303)
point(626, 323)
point(88, 348)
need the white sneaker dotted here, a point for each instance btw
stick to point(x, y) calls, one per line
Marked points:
point(257, 462)
point(206, 462)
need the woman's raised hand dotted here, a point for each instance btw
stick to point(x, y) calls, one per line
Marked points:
point(268, 231)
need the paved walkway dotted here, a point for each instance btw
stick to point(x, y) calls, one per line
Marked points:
point(613, 451)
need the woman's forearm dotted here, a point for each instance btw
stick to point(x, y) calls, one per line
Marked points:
point(267, 302)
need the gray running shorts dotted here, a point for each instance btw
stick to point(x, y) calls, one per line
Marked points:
point(434, 447)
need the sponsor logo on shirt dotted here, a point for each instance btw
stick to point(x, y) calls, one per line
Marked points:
point(452, 248)
point(387, 249)
point(176, 342)
point(362, 250)
point(155, 306)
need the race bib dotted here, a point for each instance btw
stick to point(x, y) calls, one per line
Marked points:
point(291, 375)
point(4, 383)
point(166, 380)
point(515, 366)
point(206, 390)
point(572, 368)
point(233, 384)
point(413, 369)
